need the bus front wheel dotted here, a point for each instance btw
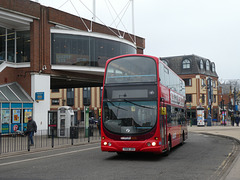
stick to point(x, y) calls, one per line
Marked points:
point(182, 139)
point(169, 146)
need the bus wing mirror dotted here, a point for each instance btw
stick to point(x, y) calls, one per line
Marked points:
point(163, 111)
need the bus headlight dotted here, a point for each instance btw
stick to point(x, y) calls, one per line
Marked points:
point(154, 143)
point(148, 144)
point(109, 144)
point(105, 143)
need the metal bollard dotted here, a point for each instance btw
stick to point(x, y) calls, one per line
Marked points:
point(71, 135)
point(28, 144)
point(52, 138)
point(89, 133)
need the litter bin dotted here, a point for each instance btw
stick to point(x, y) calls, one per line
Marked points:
point(74, 132)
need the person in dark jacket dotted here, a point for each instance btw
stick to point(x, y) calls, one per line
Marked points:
point(31, 128)
point(232, 120)
point(237, 120)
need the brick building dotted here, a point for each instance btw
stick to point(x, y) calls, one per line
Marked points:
point(195, 71)
point(42, 48)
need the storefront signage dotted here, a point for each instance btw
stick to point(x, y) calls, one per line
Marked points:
point(16, 116)
point(5, 116)
point(27, 113)
point(16, 127)
point(39, 96)
point(5, 128)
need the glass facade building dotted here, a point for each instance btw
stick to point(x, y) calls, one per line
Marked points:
point(68, 49)
point(14, 45)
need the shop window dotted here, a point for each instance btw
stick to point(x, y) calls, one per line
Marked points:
point(5, 116)
point(27, 113)
point(16, 116)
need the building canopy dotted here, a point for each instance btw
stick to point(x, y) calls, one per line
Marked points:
point(13, 92)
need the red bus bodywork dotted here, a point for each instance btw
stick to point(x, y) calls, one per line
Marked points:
point(162, 137)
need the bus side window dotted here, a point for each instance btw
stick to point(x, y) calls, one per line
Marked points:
point(169, 119)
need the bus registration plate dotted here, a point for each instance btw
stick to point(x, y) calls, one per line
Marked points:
point(128, 149)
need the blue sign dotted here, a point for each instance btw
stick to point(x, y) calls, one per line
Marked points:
point(236, 107)
point(16, 127)
point(5, 128)
point(39, 96)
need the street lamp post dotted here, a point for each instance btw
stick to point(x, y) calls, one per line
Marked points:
point(209, 88)
point(223, 112)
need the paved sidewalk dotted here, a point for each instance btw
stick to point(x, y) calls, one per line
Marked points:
point(229, 131)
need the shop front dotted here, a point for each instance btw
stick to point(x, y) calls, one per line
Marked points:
point(15, 107)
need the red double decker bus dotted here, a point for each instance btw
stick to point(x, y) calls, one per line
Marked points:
point(143, 106)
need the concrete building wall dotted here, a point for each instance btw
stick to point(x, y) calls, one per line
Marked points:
point(41, 83)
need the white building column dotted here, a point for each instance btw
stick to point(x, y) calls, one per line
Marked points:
point(40, 83)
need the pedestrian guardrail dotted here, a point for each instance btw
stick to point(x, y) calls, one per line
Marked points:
point(48, 139)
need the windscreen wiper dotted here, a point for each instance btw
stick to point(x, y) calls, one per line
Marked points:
point(138, 104)
point(117, 106)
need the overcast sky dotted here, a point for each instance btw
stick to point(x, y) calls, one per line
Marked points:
point(207, 28)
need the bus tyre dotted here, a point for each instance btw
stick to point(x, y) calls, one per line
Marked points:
point(168, 147)
point(182, 139)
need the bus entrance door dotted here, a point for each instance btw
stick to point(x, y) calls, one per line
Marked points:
point(163, 123)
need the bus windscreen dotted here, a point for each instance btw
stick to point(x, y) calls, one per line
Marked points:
point(129, 117)
point(131, 69)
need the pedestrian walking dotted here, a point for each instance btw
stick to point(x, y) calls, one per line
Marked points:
point(31, 128)
point(232, 120)
point(99, 126)
point(237, 120)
